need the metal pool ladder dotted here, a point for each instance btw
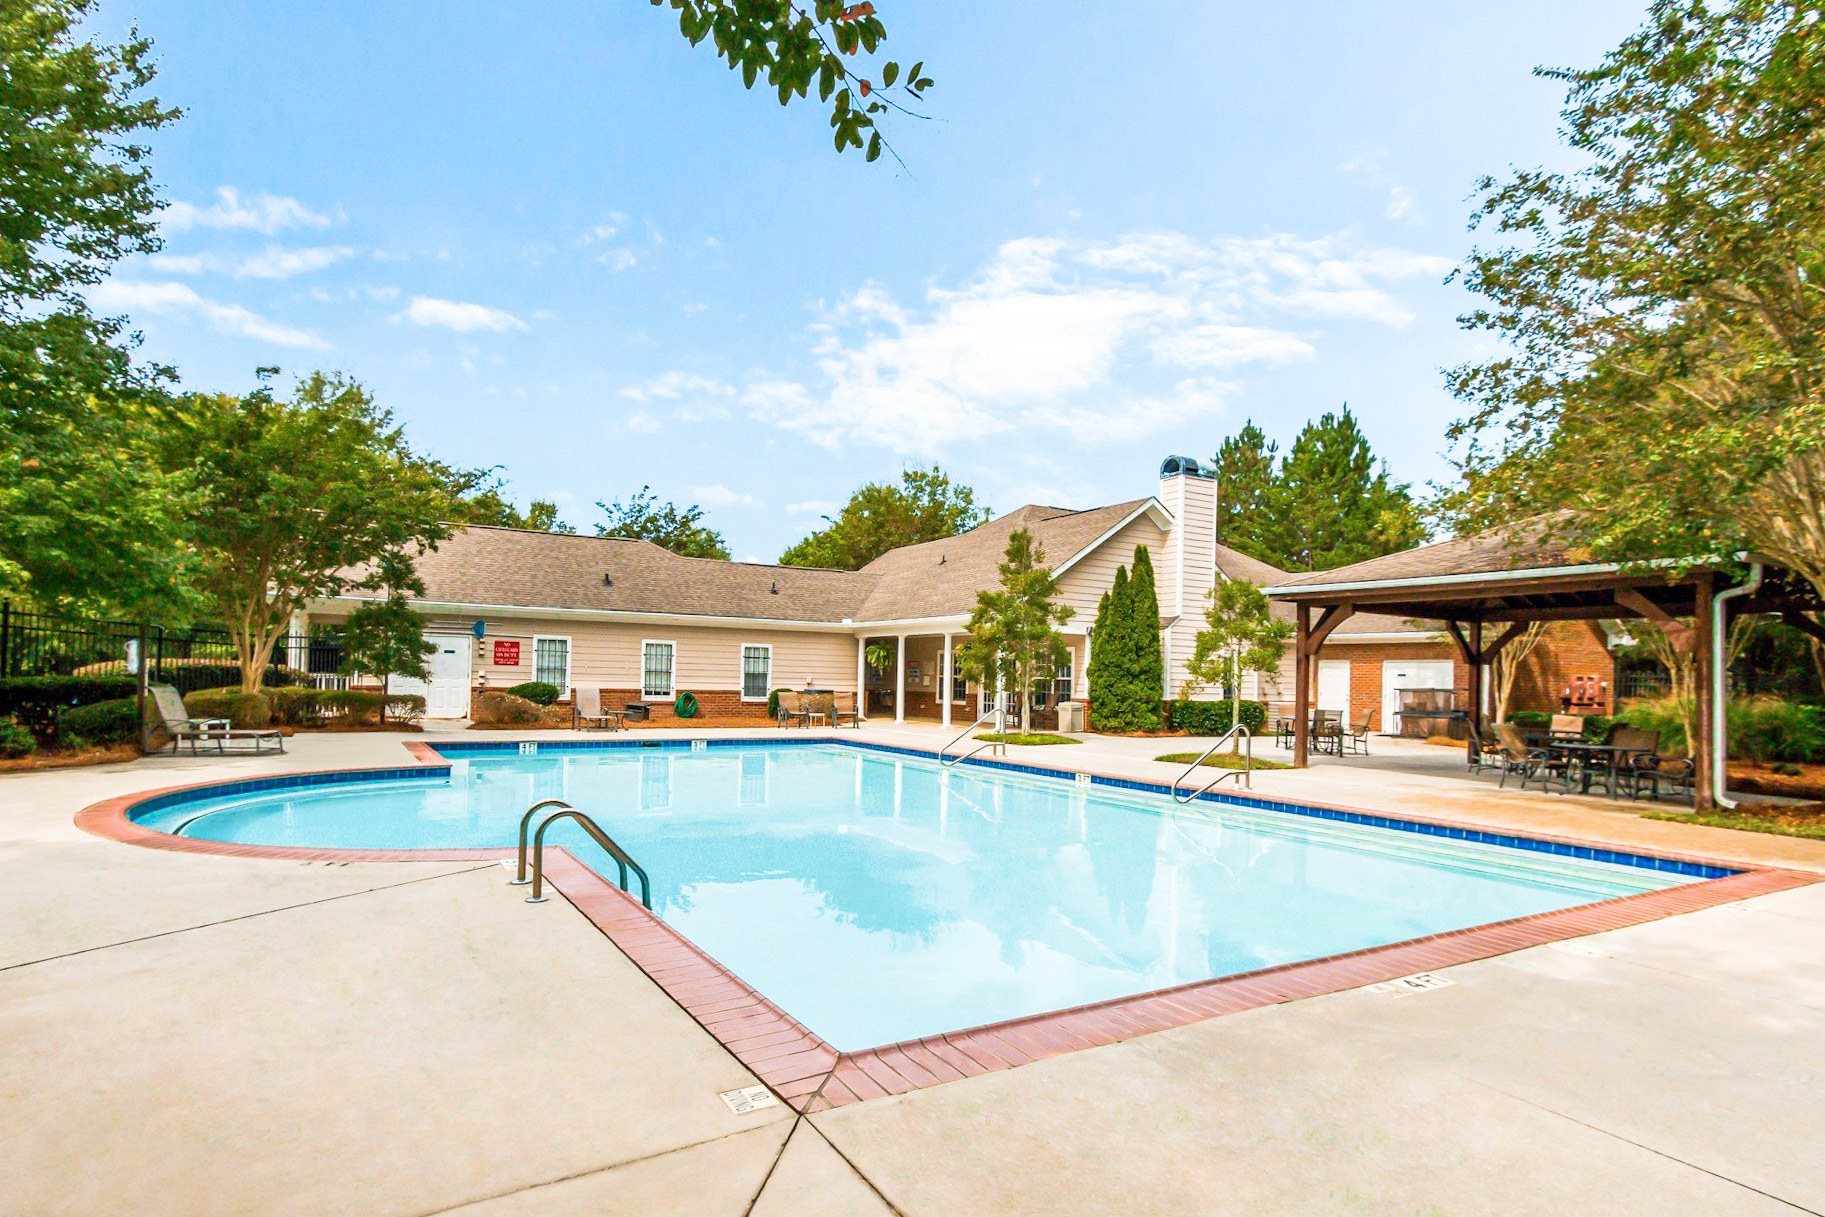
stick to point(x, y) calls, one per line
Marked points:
point(1241, 775)
point(565, 811)
point(999, 716)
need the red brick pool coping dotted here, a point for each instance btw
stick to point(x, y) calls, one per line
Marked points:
point(811, 1075)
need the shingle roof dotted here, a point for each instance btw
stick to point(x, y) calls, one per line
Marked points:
point(1237, 565)
point(525, 568)
point(1532, 544)
point(941, 578)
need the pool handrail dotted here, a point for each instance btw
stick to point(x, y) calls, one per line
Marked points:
point(519, 876)
point(1243, 775)
point(999, 745)
point(622, 860)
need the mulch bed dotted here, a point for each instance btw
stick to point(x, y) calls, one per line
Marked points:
point(109, 755)
point(1756, 778)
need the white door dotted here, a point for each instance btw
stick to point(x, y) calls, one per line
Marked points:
point(447, 692)
point(1398, 674)
point(1334, 685)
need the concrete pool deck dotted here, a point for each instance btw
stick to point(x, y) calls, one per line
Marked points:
point(193, 1034)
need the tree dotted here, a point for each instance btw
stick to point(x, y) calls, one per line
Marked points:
point(1014, 641)
point(1507, 664)
point(1248, 506)
point(799, 50)
point(292, 501)
point(645, 517)
point(1335, 502)
point(1127, 664)
point(386, 638)
point(487, 505)
point(926, 506)
point(1663, 364)
point(81, 514)
point(1240, 635)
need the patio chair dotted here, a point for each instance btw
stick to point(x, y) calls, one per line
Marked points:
point(1518, 757)
point(168, 704)
point(1482, 753)
point(586, 712)
point(1567, 726)
point(1648, 769)
point(1327, 731)
point(1356, 740)
point(843, 707)
point(792, 709)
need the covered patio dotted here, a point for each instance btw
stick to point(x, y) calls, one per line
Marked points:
point(1486, 589)
point(918, 681)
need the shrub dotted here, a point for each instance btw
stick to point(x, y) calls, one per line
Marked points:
point(1213, 717)
point(1126, 670)
point(1530, 718)
point(494, 709)
point(361, 707)
point(296, 706)
point(1663, 715)
point(242, 710)
point(35, 701)
point(538, 692)
point(15, 740)
point(102, 722)
point(1768, 728)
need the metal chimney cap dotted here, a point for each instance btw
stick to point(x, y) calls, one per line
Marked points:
point(1184, 466)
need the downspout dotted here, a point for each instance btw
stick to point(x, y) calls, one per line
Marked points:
point(1720, 684)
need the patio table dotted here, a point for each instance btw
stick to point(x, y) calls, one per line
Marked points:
point(1586, 757)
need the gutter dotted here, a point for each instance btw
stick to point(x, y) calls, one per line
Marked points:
point(1720, 685)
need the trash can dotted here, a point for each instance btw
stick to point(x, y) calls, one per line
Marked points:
point(1070, 716)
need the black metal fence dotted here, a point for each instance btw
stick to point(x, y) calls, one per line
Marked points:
point(193, 657)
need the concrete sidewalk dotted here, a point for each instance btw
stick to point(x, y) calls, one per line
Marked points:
point(202, 1035)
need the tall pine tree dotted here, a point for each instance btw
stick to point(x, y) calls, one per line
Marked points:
point(1328, 502)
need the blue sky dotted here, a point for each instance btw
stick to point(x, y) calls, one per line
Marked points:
point(557, 239)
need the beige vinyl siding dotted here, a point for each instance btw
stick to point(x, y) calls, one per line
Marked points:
point(1082, 586)
point(607, 654)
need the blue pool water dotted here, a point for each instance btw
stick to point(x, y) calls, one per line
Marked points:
point(876, 897)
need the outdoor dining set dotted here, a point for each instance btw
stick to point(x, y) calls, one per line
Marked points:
point(817, 708)
point(1330, 734)
point(1625, 761)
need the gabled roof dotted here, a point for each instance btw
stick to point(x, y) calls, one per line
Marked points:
point(941, 578)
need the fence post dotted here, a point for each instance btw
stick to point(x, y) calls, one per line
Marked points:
point(140, 680)
point(6, 637)
point(158, 638)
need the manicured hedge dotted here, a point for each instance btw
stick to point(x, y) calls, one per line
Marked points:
point(242, 710)
point(1213, 717)
point(538, 692)
point(35, 701)
point(361, 707)
point(104, 722)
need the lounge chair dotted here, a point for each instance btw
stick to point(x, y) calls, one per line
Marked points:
point(1647, 769)
point(1355, 740)
point(792, 710)
point(1519, 757)
point(843, 707)
point(1483, 754)
point(177, 723)
point(586, 712)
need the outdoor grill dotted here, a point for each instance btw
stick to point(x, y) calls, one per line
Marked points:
point(1427, 712)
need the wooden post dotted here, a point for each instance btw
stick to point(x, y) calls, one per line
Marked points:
point(1705, 741)
point(1302, 684)
point(1475, 688)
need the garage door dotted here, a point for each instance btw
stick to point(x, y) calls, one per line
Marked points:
point(1398, 674)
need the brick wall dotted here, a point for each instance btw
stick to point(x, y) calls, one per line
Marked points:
point(1568, 650)
point(1366, 661)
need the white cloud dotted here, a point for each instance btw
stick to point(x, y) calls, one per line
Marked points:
point(718, 495)
point(171, 299)
point(458, 315)
point(673, 386)
point(814, 507)
point(258, 212)
point(619, 259)
point(1401, 204)
point(608, 230)
point(276, 262)
point(642, 422)
point(1080, 340)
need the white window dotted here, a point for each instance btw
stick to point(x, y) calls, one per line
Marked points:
point(656, 669)
point(551, 662)
point(1061, 679)
point(756, 671)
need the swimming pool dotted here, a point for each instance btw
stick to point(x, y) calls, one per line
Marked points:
point(877, 897)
